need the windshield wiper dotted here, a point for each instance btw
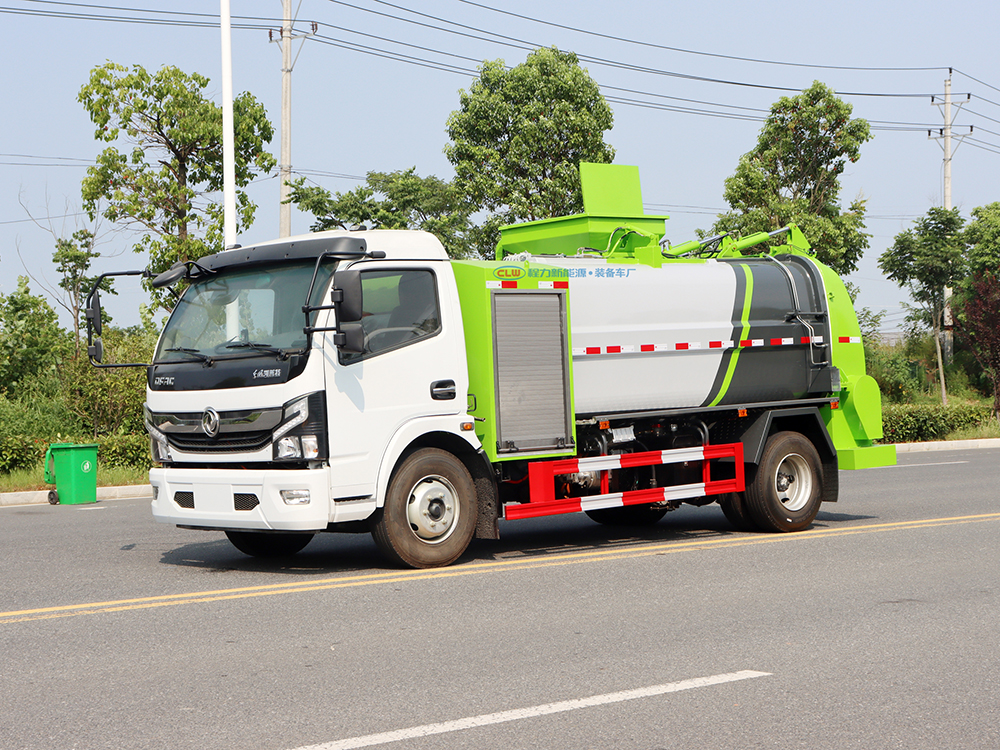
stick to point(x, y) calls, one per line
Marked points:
point(193, 352)
point(280, 353)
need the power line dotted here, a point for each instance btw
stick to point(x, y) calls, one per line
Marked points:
point(591, 58)
point(679, 49)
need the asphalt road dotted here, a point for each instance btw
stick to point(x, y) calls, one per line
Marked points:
point(878, 628)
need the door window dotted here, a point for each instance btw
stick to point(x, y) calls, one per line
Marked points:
point(400, 308)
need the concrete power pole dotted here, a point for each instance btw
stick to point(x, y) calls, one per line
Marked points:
point(945, 135)
point(285, 163)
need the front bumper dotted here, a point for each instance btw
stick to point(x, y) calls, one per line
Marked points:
point(241, 498)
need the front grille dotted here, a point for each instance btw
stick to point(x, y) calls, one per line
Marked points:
point(245, 501)
point(196, 443)
point(184, 499)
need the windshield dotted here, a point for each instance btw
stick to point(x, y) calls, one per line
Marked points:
point(243, 311)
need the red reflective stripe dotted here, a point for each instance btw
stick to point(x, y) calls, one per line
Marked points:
point(714, 344)
point(508, 284)
point(775, 342)
point(680, 347)
point(805, 339)
point(647, 348)
point(593, 350)
point(561, 285)
point(746, 342)
point(614, 350)
point(844, 340)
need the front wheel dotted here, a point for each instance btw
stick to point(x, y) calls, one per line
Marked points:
point(784, 493)
point(430, 511)
point(259, 544)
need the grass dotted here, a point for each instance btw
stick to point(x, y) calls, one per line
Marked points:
point(25, 480)
point(990, 429)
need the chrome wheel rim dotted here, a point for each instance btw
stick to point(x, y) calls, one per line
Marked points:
point(793, 482)
point(432, 509)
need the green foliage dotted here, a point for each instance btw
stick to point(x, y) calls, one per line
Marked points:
point(110, 401)
point(898, 376)
point(519, 136)
point(20, 452)
point(793, 176)
point(161, 186)
point(391, 200)
point(31, 342)
point(130, 450)
point(914, 423)
point(983, 238)
point(73, 258)
point(925, 260)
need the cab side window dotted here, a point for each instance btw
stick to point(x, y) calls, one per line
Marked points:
point(400, 308)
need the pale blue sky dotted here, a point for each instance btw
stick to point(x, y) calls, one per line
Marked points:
point(353, 112)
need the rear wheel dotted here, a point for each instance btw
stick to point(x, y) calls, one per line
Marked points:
point(628, 515)
point(734, 507)
point(784, 493)
point(430, 511)
point(260, 544)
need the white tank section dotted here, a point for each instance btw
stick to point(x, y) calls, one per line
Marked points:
point(646, 338)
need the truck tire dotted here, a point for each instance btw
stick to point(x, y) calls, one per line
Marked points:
point(734, 507)
point(259, 544)
point(784, 490)
point(628, 515)
point(430, 511)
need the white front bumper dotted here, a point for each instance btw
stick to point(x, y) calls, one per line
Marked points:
point(218, 492)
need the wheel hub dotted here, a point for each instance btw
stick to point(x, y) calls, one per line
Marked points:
point(793, 482)
point(432, 509)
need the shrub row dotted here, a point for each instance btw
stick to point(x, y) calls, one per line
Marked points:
point(915, 423)
point(19, 452)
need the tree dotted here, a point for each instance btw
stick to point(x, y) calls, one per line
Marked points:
point(73, 258)
point(162, 186)
point(31, 342)
point(391, 200)
point(977, 321)
point(520, 134)
point(983, 238)
point(926, 259)
point(793, 176)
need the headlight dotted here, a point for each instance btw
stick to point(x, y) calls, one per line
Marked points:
point(302, 434)
point(295, 414)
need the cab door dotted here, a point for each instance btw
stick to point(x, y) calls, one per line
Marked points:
point(413, 366)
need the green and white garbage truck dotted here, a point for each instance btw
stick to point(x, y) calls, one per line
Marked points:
point(362, 380)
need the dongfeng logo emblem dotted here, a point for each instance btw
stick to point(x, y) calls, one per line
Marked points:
point(210, 422)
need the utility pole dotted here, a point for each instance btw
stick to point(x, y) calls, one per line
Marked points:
point(944, 136)
point(285, 165)
point(228, 140)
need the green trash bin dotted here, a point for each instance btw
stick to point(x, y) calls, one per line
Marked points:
point(73, 470)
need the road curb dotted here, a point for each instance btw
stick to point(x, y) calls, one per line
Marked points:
point(41, 497)
point(144, 490)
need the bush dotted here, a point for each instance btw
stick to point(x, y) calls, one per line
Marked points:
point(127, 451)
point(20, 452)
point(915, 423)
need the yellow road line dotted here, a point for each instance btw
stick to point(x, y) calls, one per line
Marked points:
point(556, 559)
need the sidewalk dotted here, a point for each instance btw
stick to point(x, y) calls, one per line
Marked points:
point(40, 497)
point(144, 490)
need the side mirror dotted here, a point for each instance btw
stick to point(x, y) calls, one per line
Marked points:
point(347, 297)
point(350, 338)
point(96, 351)
point(94, 312)
point(172, 275)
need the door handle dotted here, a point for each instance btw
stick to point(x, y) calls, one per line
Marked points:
point(443, 390)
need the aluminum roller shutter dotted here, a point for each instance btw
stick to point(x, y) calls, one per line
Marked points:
point(531, 362)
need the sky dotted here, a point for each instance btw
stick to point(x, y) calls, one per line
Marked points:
point(689, 85)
